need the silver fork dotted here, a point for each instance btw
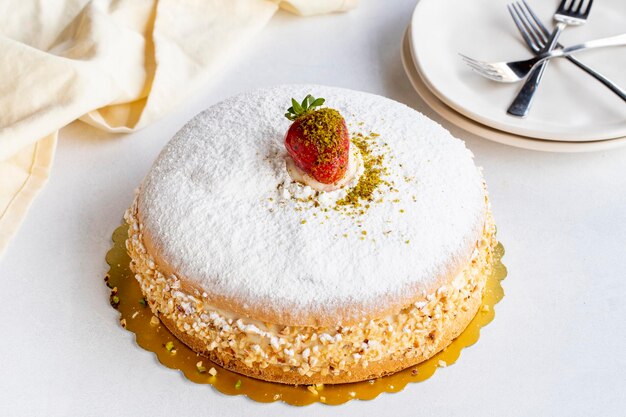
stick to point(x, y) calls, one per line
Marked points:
point(569, 12)
point(535, 35)
point(511, 72)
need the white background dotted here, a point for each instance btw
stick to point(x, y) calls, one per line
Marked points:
point(556, 346)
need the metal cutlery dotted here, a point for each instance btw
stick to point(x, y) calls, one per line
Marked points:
point(510, 72)
point(569, 13)
point(535, 35)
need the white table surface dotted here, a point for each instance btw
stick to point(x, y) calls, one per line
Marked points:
point(556, 346)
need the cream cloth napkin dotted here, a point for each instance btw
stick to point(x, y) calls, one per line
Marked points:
point(115, 64)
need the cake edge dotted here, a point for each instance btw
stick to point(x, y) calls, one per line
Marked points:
point(357, 373)
point(336, 365)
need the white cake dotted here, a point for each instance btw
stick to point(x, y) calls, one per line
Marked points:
point(274, 279)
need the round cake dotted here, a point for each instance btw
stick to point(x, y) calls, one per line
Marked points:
point(330, 275)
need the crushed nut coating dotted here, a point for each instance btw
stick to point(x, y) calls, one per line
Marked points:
point(415, 331)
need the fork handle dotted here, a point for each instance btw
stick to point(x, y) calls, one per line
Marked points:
point(524, 98)
point(618, 40)
point(608, 83)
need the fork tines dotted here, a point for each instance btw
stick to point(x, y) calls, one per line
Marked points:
point(525, 21)
point(573, 9)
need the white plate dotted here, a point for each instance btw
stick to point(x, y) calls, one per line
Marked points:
point(569, 106)
point(486, 132)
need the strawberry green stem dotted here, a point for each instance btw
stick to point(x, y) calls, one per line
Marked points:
point(298, 109)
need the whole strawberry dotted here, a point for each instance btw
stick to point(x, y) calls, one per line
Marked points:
point(318, 140)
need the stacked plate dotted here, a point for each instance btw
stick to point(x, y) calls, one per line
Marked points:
point(572, 112)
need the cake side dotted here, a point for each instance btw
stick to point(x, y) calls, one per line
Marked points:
point(307, 354)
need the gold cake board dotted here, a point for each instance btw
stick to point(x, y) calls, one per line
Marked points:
point(136, 317)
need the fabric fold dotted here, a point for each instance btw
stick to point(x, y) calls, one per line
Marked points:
point(117, 65)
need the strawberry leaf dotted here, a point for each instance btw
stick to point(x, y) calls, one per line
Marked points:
point(297, 107)
point(306, 101)
point(308, 104)
point(317, 102)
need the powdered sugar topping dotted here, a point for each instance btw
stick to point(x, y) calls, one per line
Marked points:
point(223, 212)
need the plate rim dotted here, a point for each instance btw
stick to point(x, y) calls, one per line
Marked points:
point(472, 126)
point(495, 124)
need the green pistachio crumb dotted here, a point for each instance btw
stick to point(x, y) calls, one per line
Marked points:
point(115, 300)
point(321, 130)
point(372, 176)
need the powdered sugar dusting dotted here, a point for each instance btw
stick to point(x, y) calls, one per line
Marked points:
point(220, 206)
